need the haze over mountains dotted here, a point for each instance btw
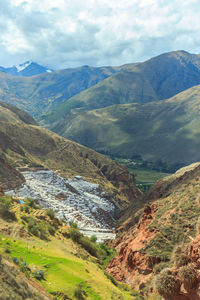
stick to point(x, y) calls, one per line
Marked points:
point(156, 79)
point(41, 93)
point(97, 106)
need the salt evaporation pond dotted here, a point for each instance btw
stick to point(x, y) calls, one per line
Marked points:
point(72, 199)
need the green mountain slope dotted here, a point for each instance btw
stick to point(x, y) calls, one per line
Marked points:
point(40, 93)
point(165, 130)
point(30, 146)
point(39, 259)
point(156, 79)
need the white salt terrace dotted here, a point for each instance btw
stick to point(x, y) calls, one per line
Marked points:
point(73, 199)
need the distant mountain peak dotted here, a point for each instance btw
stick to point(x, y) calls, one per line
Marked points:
point(27, 69)
point(23, 66)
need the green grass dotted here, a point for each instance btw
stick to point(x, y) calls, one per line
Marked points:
point(64, 270)
point(147, 176)
point(142, 175)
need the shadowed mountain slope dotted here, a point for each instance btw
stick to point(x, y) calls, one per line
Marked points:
point(156, 79)
point(40, 93)
point(166, 130)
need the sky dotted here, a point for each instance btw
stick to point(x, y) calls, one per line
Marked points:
point(71, 33)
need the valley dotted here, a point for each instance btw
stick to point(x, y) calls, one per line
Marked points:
point(100, 195)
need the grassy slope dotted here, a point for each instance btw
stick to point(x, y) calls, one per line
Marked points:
point(166, 130)
point(156, 79)
point(28, 145)
point(65, 264)
point(43, 92)
point(176, 198)
point(147, 239)
point(63, 269)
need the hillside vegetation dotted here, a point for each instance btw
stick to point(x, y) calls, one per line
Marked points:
point(167, 130)
point(30, 146)
point(159, 236)
point(43, 92)
point(156, 79)
point(49, 264)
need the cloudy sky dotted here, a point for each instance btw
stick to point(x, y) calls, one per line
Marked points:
point(68, 33)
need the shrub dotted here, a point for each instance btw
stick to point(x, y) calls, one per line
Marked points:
point(79, 293)
point(182, 260)
point(34, 230)
point(105, 248)
point(75, 235)
point(15, 260)
point(7, 250)
point(93, 238)
point(50, 213)
point(166, 284)
point(89, 246)
point(25, 268)
point(43, 231)
point(26, 209)
point(188, 276)
point(111, 278)
point(32, 225)
point(30, 202)
point(180, 257)
point(84, 241)
point(73, 225)
point(39, 275)
point(39, 229)
point(159, 267)
point(51, 229)
point(55, 224)
point(5, 205)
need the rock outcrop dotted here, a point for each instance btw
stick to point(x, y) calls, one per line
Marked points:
point(130, 261)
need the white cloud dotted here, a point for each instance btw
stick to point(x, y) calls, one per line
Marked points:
point(66, 33)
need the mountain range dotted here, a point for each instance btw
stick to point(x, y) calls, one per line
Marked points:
point(26, 69)
point(166, 130)
point(148, 109)
point(156, 79)
point(38, 94)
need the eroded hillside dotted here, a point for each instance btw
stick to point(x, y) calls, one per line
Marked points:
point(147, 240)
